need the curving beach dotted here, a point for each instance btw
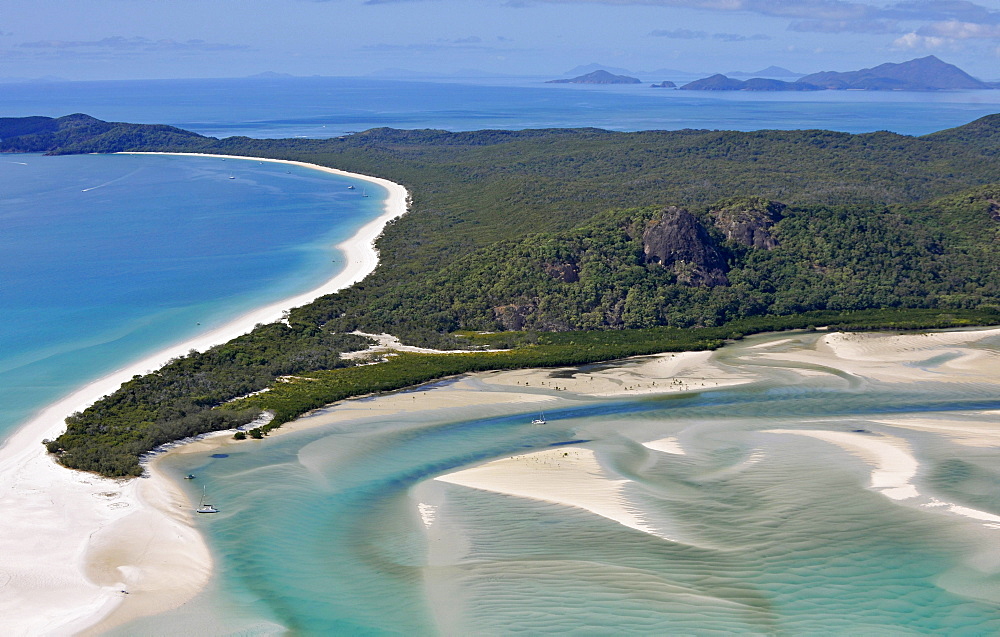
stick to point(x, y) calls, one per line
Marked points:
point(76, 547)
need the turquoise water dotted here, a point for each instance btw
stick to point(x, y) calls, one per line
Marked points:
point(109, 257)
point(320, 531)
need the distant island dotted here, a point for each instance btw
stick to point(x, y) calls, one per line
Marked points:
point(922, 74)
point(719, 82)
point(664, 84)
point(598, 77)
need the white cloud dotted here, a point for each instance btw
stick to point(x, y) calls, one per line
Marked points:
point(956, 30)
point(915, 41)
point(679, 34)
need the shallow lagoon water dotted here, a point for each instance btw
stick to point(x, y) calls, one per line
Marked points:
point(755, 531)
point(107, 258)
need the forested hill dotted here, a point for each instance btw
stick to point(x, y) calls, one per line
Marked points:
point(494, 239)
point(83, 134)
point(585, 229)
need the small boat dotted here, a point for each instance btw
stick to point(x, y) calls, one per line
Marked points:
point(231, 177)
point(204, 507)
point(350, 187)
point(540, 420)
point(189, 476)
point(364, 193)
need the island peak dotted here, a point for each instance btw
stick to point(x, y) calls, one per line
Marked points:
point(598, 77)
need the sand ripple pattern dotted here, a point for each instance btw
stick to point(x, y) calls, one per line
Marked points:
point(791, 484)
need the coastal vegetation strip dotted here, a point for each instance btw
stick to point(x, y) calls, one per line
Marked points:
point(111, 436)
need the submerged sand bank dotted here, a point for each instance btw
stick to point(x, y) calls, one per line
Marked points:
point(73, 542)
point(575, 477)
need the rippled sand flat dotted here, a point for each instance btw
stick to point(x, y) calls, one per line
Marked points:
point(805, 483)
point(794, 505)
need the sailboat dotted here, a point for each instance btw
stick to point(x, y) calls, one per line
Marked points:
point(540, 420)
point(204, 507)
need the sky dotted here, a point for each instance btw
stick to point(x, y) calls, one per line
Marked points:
point(150, 39)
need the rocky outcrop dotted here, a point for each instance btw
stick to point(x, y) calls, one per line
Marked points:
point(513, 316)
point(748, 221)
point(565, 272)
point(679, 242)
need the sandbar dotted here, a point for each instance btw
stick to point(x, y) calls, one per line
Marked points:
point(571, 476)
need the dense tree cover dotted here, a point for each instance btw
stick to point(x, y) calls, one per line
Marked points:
point(81, 133)
point(543, 230)
point(177, 400)
point(836, 258)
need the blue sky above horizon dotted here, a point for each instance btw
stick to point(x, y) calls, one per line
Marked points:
point(145, 39)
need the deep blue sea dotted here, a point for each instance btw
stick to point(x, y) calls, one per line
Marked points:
point(105, 259)
point(324, 107)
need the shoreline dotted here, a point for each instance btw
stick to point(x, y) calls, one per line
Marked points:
point(52, 526)
point(606, 494)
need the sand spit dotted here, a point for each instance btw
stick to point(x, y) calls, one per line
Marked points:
point(571, 476)
point(893, 469)
point(934, 356)
point(893, 464)
point(386, 343)
point(666, 445)
point(73, 542)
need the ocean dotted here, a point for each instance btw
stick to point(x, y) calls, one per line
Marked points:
point(106, 259)
point(325, 107)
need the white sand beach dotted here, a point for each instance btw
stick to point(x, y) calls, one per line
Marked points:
point(903, 357)
point(72, 542)
point(645, 375)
